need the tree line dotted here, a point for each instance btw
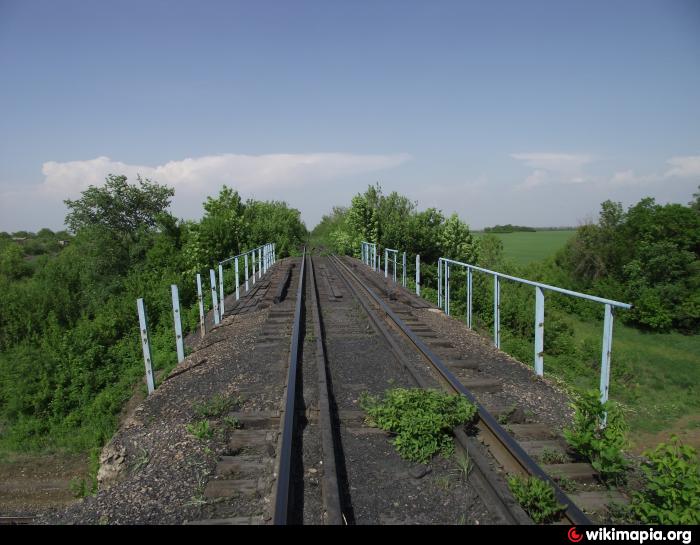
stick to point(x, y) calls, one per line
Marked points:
point(70, 352)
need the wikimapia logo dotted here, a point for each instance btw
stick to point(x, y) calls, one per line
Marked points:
point(637, 536)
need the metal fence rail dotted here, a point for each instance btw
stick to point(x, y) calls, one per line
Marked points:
point(370, 254)
point(444, 266)
point(263, 256)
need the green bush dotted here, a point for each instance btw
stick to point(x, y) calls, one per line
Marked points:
point(536, 497)
point(70, 351)
point(672, 491)
point(421, 419)
point(214, 407)
point(602, 446)
point(200, 429)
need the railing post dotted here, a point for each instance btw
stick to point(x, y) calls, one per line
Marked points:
point(439, 290)
point(447, 288)
point(214, 298)
point(221, 287)
point(386, 263)
point(178, 323)
point(145, 345)
point(403, 270)
point(469, 297)
point(396, 264)
point(606, 356)
point(252, 259)
point(200, 299)
point(259, 263)
point(539, 331)
point(417, 274)
point(245, 259)
point(496, 311)
point(235, 264)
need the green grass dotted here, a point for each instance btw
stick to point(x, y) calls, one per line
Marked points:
point(525, 247)
point(656, 376)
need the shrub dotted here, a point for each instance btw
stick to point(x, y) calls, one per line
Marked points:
point(672, 491)
point(602, 446)
point(200, 429)
point(536, 497)
point(214, 407)
point(422, 419)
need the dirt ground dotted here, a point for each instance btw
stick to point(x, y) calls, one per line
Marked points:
point(687, 429)
point(30, 484)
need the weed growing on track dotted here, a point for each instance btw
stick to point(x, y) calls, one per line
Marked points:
point(536, 497)
point(421, 419)
point(464, 465)
point(214, 407)
point(552, 456)
point(200, 429)
point(142, 460)
point(601, 446)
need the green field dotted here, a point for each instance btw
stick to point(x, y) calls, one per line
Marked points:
point(525, 247)
point(656, 376)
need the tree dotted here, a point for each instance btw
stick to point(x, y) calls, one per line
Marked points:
point(695, 203)
point(648, 256)
point(118, 206)
point(12, 263)
point(457, 242)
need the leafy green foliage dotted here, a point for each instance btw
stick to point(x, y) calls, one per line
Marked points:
point(672, 490)
point(393, 221)
point(119, 206)
point(507, 228)
point(602, 446)
point(648, 255)
point(214, 407)
point(421, 419)
point(82, 487)
point(200, 429)
point(536, 497)
point(70, 353)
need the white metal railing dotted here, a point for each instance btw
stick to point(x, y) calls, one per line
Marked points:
point(264, 256)
point(444, 266)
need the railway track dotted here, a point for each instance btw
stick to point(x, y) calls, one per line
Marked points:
point(16, 521)
point(286, 441)
point(355, 344)
point(503, 447)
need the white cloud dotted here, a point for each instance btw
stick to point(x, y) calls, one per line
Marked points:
point(553, 168)
point(683, 167)
point(631, 178)
point(303, 180)
point(204, 175)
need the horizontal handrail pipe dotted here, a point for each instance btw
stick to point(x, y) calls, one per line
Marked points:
point(368, 251)
point(444, 265)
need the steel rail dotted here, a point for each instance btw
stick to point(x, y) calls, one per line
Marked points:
point(329, 484)
point(487, 424)
point(16, 520)
point(281, 506)
point(502, 507)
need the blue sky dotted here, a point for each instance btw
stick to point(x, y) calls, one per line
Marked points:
point(505, 112)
